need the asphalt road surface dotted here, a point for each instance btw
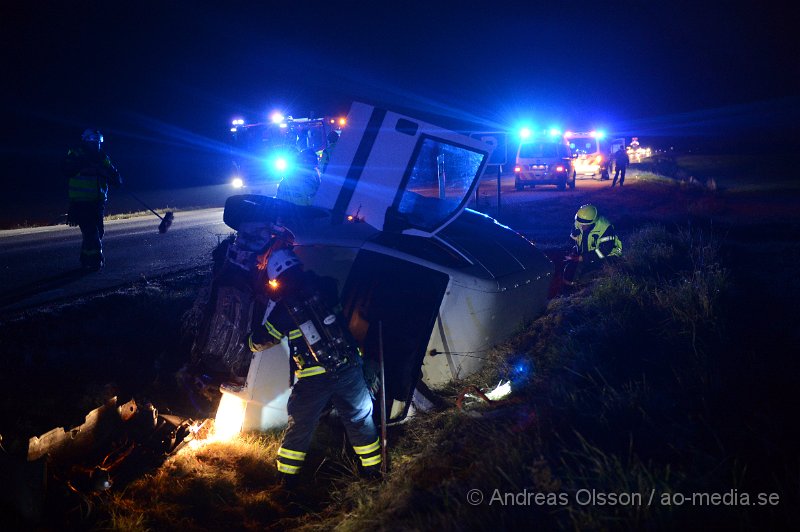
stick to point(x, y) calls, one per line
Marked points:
point(40, 265)
point(487, 190)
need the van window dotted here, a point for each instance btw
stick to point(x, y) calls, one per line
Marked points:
point(538, 150)
point(584, 145)
point(438, 183)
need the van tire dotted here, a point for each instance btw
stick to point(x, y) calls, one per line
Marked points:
point(562, 185)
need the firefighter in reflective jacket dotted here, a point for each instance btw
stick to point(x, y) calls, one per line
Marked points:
point(333, 138)
point(329, 365)
point(302, 184)
point(595, 240)
point(90, 173)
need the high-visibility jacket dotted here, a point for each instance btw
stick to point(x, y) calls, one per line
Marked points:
point(599, 242)
point(299, 188)
point(90, 172)
point(326, 157)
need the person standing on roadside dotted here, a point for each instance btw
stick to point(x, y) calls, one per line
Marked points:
point(621, 161)
point(90, 173)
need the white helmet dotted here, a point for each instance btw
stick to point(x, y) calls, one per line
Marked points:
point(279, 261)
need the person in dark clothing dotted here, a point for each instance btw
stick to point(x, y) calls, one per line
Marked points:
point(90, 173)
point(621, 161)
point(329, 364)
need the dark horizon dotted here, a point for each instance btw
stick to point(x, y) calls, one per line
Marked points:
point(163, 81)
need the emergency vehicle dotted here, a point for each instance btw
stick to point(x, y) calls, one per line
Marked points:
point(544, 159)
point(590, 152)
point(636, 152)
point(263, 152)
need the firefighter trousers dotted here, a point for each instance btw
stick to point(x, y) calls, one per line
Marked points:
point(88, 215)
point(310, 395)
point(619, 173)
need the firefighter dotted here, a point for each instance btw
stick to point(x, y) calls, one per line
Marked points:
point(90, 173)
point(302, 184)
point(333, 138)
point(621, 162)
point(595, 241)
point(329, 365)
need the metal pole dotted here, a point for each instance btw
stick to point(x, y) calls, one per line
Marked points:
point(499, 175)
point(384, 452)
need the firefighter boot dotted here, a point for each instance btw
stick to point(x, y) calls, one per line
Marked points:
point(371, 473)
point(288, 482)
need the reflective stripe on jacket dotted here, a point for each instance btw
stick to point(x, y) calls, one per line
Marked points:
point(299, 189)
point(600, 240)
point(279, 323)
point(89, 175)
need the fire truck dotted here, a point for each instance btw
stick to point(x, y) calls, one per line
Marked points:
point(262, 153)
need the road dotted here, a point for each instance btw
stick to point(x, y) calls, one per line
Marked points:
point(487, 190)
point(40, 265)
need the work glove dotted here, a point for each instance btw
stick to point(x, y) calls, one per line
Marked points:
point(372, 374)
point(259, 340)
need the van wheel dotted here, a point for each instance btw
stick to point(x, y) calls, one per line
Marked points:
point(562, 185)
point(519, 186)
point(571, 184)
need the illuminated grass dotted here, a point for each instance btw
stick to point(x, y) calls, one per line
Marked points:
point(136, 214)
point(217, 486)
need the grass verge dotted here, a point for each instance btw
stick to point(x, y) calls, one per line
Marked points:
point(626, 395)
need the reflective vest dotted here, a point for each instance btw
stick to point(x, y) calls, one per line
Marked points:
point(89, 175)
point(600, 240)
point(326, 157)
point(300, 188)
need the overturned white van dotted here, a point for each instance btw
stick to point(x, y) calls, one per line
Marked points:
point(390, 224)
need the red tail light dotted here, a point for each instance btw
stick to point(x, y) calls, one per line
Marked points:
point(517, 169)
point(559, 168)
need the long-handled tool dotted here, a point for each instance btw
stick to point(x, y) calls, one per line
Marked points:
point(384, 452)
point(166, 220)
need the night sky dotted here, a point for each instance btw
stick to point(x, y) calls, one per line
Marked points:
point(163, 79)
